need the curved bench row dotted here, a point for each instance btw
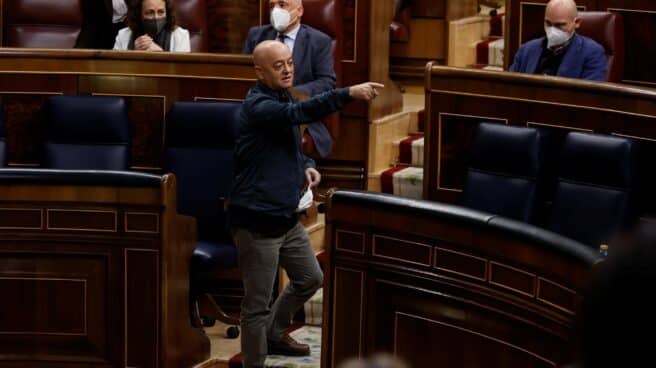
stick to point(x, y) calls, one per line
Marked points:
point(442, 285)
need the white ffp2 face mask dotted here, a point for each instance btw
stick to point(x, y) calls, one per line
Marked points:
point(280, 19)
point(556, 37)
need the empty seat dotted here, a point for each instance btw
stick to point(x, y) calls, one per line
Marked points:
point(87, 133)
point(608, 30)
point(192, 15)
point(200, 139)
point(503, 172)
point(595, 187)
point(42, 23)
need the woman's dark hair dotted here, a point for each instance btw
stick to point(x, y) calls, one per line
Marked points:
point(134, 16)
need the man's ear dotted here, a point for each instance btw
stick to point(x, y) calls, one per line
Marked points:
point(577, 22)
point(258, 72)
point(300, 11)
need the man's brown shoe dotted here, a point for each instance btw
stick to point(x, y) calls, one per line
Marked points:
point(288, 346)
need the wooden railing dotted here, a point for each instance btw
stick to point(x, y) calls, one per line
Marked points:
point(458, 99)
point(444, 286)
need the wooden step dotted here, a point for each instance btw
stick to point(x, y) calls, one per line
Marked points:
point(402, 180)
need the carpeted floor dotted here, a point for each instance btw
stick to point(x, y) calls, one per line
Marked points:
point(223, 349)
point(310, 335)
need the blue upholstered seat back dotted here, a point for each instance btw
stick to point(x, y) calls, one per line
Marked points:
point(200, 139)
point(595, 187)
point(504, 166)
point(87, 132)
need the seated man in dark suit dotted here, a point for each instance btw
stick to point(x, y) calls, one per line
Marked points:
point(312, 54)
point(562, 52)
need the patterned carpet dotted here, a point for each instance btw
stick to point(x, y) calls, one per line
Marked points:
point(310, 335)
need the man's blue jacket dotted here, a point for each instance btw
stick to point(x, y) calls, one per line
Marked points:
point(269, 164)
point(584, 59)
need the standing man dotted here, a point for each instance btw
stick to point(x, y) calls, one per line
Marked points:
point(313, 57)
point(270, 174)
point(102, 21)
point(562, 52)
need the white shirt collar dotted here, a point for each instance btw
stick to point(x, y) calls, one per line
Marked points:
point(292, 34)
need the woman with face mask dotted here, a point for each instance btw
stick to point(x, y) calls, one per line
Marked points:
point(152, 27)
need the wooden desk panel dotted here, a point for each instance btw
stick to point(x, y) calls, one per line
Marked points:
point(96, 275)
point(443, 292)
point(458, 99)
point(150, 83)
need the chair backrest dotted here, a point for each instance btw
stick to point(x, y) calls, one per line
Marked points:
point(326, 16)
point(595, 187)
point(608, 29)
point(192, 15)
point(42, 23)
point(200, 140)
point(503, 172)
point(87, 133)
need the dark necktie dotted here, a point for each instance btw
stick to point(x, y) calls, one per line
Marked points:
point(281, 37)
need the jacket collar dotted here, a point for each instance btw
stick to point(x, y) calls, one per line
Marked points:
point(282, 94)
point(565, 68)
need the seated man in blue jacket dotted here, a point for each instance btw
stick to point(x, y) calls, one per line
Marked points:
point(313, 57)
point(562, 52)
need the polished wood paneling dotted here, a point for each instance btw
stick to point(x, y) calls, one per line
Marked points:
point(440, 337)
point(458, 99)
point(229, 21)
point(429, 36)
point(424, 42)
point(59, 319)
point(147, 115)
point(349, 241)
point(370, 59)
point(461, 263)
point(487, 297)
point(526, 18)
point(104, 282)
point(82, 220)
point(25, 121)
point(402, 250)
point(21, 218)
point(58, 304)
point(350, 30)
point(150, 84)
point(141, 300)
point(142, 222)
point(348, 304)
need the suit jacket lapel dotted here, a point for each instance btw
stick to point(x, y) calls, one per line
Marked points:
point(299, 49)
point(533, 58)
point(571, 66)
point(269, 33)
